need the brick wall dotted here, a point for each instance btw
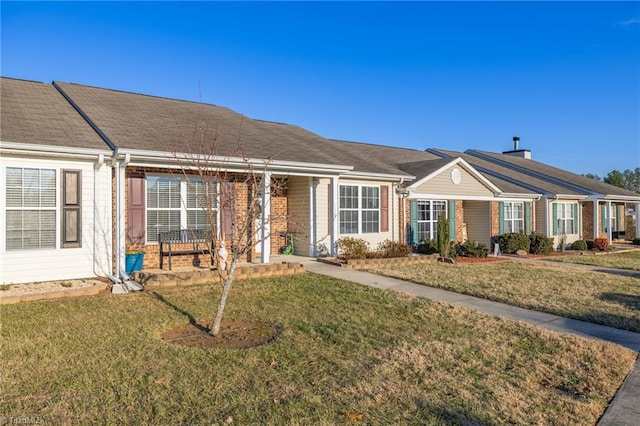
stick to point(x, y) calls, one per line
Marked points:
point(587, 220)
point(242, 194)
point(495, 218)
point(459, 221)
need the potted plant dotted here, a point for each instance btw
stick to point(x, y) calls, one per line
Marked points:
point(134, 259)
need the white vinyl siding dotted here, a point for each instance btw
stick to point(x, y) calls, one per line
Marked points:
point(31, 208)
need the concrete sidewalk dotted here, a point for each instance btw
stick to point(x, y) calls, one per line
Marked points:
point(625, 407)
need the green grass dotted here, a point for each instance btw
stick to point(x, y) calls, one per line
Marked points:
point(600, 298)
point(343, 349)
point(627, 260)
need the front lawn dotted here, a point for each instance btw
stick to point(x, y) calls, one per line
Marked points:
point(627, 260)
point(345, 352)
point(589, 296)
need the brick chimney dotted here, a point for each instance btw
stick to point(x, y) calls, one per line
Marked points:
point(517, 152)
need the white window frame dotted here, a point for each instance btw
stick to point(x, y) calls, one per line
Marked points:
point(511, 223)
point(563, 218)
point(432, 222)
point(360, 210)
point(183, 206)
point(39, 209)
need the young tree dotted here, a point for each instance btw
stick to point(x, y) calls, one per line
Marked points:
point(235, 189)
point(443, 236)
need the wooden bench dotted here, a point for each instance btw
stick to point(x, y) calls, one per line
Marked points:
point(200, 239)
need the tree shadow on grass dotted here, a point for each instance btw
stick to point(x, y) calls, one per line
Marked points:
point(192, 319)
point(629, 300)
point(623, 273)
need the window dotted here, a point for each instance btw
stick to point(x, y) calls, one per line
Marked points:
point(428, 212)
point(31, 208)
point(513, 217)
point(166, 210)
point(359, 209)
point(565, 218)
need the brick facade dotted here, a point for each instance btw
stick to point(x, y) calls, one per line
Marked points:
point(241, 198)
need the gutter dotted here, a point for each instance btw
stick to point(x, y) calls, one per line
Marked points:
point(122, 283)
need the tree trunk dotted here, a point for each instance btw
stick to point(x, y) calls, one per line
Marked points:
point(214, 330)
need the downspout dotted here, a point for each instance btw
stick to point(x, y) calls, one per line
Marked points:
point(120, 274)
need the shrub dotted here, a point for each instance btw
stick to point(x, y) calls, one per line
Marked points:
point(352, 248)
point(579, 245)
point(636, 242)
point(590, 244)
point(602, 244)
point(540, 244)
point(444, 245)
point(514, 241)
point(389, 248)
point(426, 247)
point(472, 249)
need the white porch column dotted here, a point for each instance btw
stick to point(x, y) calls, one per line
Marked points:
point(637, 220)
point(313, 217)
point(609, 221)
point(265, 226)
point(334, 219)
point(596, 211)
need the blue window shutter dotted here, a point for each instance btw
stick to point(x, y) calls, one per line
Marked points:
point(603, 214)
point(414, 221)
point(500, 218)
point(554, 218)
point(575, 218)
point(452, 220)
point(527, 218)
point(618, 218)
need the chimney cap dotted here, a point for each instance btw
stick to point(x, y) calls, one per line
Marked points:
point(516, 138)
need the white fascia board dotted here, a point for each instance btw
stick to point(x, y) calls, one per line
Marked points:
point(468, 167)
point(421, 196)
point(531, 197)
point(622, 198)
point(569, 197)
point(169, 160)
point(16, 148)
point(377, 176)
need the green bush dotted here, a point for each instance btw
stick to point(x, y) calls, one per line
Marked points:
point(389, 248)
point(636, 242)
point(472, 249)
point(514, 241)
point(540, 244)
point(426, 247)
point(352, 248)
point(590, 244)
point(579, 245)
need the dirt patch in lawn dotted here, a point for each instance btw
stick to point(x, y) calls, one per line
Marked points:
point(234, 334)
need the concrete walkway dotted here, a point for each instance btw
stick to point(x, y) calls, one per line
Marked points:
point(625, 407)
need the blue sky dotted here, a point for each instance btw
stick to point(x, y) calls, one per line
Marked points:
point(564, 76)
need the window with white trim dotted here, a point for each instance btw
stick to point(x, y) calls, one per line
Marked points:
point(564, 218)
point(427, 221)
point(359, 209)
point(513, 217)
point(31, 208)
point(174, 203)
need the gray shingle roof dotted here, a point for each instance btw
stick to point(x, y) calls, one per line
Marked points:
point(500, 177)
point(36, 113)
point(142, 122)
point(553, 175)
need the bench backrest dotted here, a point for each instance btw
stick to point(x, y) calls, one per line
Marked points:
point(184, 236)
